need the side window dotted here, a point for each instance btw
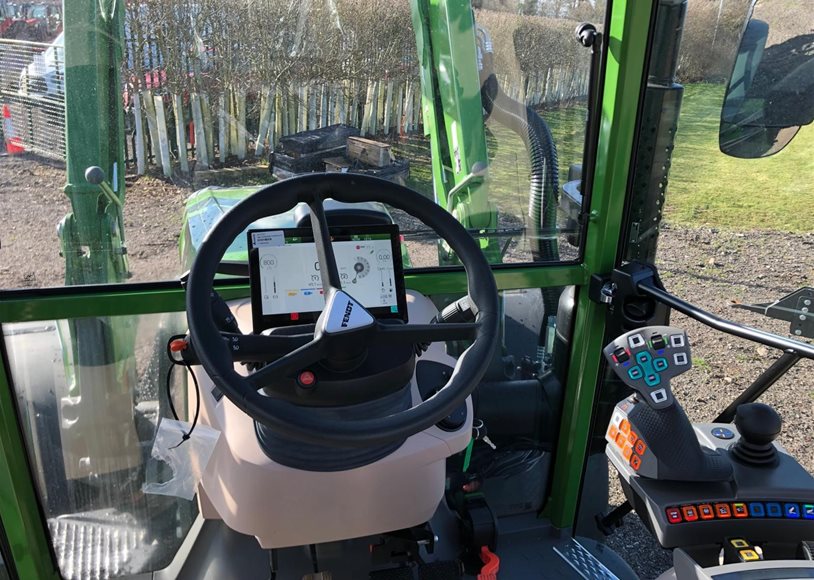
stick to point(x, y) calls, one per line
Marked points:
point(89, 420)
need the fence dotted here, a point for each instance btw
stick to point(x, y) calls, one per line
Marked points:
point(32, 96)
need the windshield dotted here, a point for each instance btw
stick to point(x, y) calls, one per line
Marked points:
point(189, 108)
point(214, 100)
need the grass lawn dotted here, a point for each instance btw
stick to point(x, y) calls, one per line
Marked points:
point(705, 187)
point(708, 188)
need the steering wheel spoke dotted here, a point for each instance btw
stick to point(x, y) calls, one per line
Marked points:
point(297, 360)
point(325, 252)
point(424, 333)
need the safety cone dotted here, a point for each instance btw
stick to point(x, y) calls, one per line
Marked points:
point(14, 145)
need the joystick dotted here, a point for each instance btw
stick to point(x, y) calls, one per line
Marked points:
point(649, 431)
point(758, 425)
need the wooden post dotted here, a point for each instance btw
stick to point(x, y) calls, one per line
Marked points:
point(323, 108)
point(302, 122)
point(374, 114)
point(240, 132)
point(273, 119)
point(397, 109)
point(223, 141)
point(283, 116)
point(163, 138)
point(266, 101)
point(140, 162)
point(201, 153)
point(388, 108)
point(312, 107)
point(207, 122)
point(149, 111)
point(180, 132)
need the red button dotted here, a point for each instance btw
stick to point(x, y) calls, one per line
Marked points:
point(690, 513)
point(640, 447)
point(706, 512)
point(635, 462)
point(306, 378)
point(722, 511)
point(674, 515)
point(295, 316)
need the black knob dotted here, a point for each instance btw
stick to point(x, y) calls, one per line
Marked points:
point(758, 425)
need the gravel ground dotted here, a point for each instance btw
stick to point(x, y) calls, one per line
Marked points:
point(708, 267)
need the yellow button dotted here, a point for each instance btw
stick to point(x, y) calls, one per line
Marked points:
point(749, 555)
point(739, 543)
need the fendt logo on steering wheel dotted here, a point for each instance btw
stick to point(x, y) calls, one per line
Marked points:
point(346, 317)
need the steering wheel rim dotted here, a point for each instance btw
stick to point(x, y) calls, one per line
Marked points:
point(295, 421)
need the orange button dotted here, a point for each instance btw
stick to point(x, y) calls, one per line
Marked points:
point(624, 426)
point(740, 511)
point(635, 462)
point(722, 511)
point(631, 438)
point(627, 451)
point(706, 512)
point(621, 440)
point(612, 432)
point(640, 447)
point(690, 513)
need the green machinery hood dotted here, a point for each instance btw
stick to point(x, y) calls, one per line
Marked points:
point(204, 208)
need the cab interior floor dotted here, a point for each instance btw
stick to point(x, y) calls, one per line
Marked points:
point(528, 547)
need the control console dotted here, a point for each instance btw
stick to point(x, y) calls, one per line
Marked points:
point(695, 484)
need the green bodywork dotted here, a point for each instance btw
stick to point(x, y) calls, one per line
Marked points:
point(453, 116)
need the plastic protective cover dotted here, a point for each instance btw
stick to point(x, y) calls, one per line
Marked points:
point(187, 458)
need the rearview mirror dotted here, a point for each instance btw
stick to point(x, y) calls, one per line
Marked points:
point(770, 94)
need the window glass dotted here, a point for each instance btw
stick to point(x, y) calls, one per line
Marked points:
point(212, 100)
point(89, 407)
point(729, 234)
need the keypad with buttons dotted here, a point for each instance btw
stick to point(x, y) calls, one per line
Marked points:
point(740, 510)
point(647, 358)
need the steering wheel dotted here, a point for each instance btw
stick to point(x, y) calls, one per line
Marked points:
point(330, 334)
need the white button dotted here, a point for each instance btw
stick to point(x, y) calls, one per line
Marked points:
point(680, 358)
point(659, 396)
point(636, 341)
point(617, 418)
point(677, 340)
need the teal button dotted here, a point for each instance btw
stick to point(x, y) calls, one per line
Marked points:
point(660, 364)
point(635, 373)
point(652, 380)
point(643, 358)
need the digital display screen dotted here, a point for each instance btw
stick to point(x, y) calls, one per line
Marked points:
point(287, 284)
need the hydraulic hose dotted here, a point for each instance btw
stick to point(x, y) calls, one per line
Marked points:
point(544, 182)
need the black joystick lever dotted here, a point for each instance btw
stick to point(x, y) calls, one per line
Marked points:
point(650, 431)
point(758, 425)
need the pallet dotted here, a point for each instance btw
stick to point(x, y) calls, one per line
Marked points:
point(337, 164)
point(321, 139)
point(369, 152)
point(304, 163)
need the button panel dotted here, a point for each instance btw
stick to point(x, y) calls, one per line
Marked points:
point(741, 510)
point(647, 359)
